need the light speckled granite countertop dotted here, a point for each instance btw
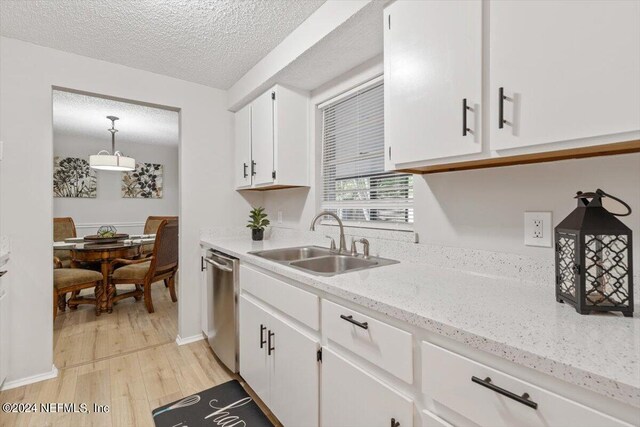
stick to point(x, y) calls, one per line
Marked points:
point(513, 319)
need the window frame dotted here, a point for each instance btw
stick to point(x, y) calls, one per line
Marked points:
point(320, 137)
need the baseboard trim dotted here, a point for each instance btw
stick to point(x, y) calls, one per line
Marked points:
point(7, 385)
point(189, 340)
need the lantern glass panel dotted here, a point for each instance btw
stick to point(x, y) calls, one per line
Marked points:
point(606, 270)
point(566, 263)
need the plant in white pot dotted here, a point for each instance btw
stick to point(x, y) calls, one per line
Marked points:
point(257, 223)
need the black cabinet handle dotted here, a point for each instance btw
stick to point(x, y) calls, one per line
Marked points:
point(395, 423)
point(500, 108)
point(350, 319)
point(244, 170)
point(202, 266)
point(2, 273)
point(524, 399)
point(253, 168)
point(465, 108)
point(262, 341)
point(271, 347)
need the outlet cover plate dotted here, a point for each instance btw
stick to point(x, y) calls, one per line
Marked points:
point(538, 229)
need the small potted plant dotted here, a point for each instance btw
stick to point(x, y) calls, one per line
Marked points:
point(257, 223)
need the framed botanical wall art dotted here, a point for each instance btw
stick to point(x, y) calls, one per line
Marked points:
point(143, 183)
point(72, 177)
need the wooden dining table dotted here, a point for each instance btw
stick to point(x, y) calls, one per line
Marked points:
point(104, 253)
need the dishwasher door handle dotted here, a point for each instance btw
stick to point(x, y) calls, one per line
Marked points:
point(222, 267)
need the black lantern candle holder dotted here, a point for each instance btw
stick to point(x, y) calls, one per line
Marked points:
point(594, 258)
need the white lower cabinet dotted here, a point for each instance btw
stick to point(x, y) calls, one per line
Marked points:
point(4, 330)
point(366, 378)
point(279, 362)
point(294, 375)
point(351, 397)
point(493, 398)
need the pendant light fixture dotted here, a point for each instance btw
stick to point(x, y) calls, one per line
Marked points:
point(112, 162)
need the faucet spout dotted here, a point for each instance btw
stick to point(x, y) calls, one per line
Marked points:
point(343, 243)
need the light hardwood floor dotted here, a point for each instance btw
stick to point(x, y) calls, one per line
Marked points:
point(127, 360)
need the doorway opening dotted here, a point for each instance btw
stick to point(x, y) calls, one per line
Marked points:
point(116, 207)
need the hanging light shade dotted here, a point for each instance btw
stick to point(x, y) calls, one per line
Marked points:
point(112, 162)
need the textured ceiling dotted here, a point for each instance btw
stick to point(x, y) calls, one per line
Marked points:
point(85, 116)
point(212, 42)
point(358, 39)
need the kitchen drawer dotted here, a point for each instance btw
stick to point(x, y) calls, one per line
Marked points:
point(431, 420)
point(447, 379)
point(352, 397)
point(383, 345)
point(301, 305)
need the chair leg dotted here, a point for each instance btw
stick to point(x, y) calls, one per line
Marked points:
point(172, 288)
point(62, 302)
point(138, 297)
point(74, 295)
point(166, 283)
point(55, 304)
point(147, 297)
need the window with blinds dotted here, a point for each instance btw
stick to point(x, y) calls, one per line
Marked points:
point(355, 184)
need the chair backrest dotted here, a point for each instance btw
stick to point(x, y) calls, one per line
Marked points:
point(165, 250)
point(63, 228)
point(153, 222)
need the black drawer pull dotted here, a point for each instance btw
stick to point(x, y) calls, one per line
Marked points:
point(524, 399)
point(395, 423)
point(2, 273)
point(262, 340)
point(350, 319)
point(270, 348)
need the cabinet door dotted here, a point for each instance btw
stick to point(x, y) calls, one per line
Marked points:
point(4, 333)
point(569, 70)
point(294, 376)
point(254, 364)
point(433, 61)
point(352, 397)
point(242, 166)
point(262, 138)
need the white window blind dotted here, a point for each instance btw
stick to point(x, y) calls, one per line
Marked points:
point(355, 184)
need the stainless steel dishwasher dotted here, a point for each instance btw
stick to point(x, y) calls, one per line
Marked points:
point(222, 307)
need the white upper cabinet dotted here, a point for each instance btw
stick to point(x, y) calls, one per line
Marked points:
point(432, 64)
point(243, 147)
point(272, 140)
point(262, 138)
point(569, 69)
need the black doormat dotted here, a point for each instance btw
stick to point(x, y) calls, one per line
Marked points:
point(226, 405)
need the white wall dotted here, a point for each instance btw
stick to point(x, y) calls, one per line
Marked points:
point(109, 208)
point(27, 74)
point(481, 209)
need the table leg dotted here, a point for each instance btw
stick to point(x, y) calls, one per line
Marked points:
point(107, 289)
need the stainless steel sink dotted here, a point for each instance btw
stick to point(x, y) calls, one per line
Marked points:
point(293, 254)
point(333, 264)
point(322, 261)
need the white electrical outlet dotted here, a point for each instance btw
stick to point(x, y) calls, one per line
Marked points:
point(537, 229)
point(279, 217)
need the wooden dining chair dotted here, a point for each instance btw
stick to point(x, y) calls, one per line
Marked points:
point(151, 227)
point(161, 265)
point(73, 280)
point(63, 228)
